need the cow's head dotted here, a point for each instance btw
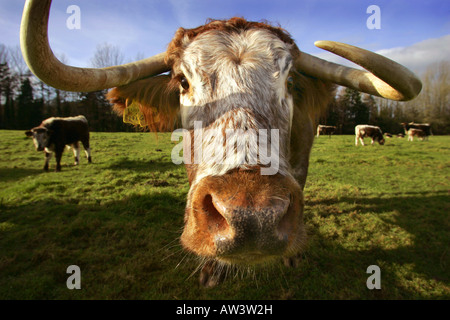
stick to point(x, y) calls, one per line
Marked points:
point(379, 137)
point(40, 137)
point(232, 81)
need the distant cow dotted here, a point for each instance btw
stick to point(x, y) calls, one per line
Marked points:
point(425, 127)
point(329, 130)
point(416, 132)
point(363, 130)
point(53, 134)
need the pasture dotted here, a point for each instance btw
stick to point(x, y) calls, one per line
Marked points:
point(119, 220)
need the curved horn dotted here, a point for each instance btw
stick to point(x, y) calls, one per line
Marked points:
point(386, 78)
point(43, 63)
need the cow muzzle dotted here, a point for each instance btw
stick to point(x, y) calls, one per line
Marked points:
point(244, 218)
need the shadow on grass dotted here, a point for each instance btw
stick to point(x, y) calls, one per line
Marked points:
point(142, 166)
point(13, 174)
point(123, 247)
point(424, 216)
point(129, 249)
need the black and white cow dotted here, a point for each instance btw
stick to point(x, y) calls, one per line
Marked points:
point(363, 130)
point(425, 127)
point(53, 134)
point(322, 129)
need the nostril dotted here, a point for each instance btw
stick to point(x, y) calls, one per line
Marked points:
point(213, 218)
point(287, 224)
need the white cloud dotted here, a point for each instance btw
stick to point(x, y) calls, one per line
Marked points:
point(416, 57)
point(420, 55)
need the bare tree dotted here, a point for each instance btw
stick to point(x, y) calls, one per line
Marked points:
point(17, 62)
point(107, 55)
point(433, 103)
point(3, 54)
point(94, 104)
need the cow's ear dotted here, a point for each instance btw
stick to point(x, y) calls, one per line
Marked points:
point(28, 133)
point(157, 101)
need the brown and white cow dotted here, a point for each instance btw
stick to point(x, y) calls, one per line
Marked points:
point(420, 134)
point(425, 127)
point(322, 129)
point(241, 80)
point(53, 134)
point(367, 131)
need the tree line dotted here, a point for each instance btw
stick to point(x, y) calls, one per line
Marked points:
point(350, 108)
point(25, 100)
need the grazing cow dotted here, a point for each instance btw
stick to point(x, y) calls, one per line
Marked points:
point(420, 134)
point(329, 130)
point(388, 135)
point(234, 83)
point(363, 130)
point(425, 127)
point(53, 134)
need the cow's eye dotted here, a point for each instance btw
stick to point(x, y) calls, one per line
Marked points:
point(290, 81)
point(184, 83)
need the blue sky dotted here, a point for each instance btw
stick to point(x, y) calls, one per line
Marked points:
point(414, 32)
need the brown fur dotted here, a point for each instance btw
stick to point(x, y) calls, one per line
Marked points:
point(158, 101)
point(311, 98)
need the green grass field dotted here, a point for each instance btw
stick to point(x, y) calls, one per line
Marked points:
point(120, 218)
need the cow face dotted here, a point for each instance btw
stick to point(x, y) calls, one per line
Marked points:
point(41, 137)
point(234, 88)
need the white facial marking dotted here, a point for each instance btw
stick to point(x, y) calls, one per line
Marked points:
point(40, 139)
point(237, 81)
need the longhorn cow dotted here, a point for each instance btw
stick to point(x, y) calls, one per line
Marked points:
point(53, 134)
point(420, 134)
point(322, 129)
point(424, 127)
point(366, 131)
point(237, 77)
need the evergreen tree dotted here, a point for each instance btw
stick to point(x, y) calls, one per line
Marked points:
point(6, 97)
point(29, 111)
point(359, 112)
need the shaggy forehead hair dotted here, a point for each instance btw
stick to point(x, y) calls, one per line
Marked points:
point(234, 25)
point(228, 71)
